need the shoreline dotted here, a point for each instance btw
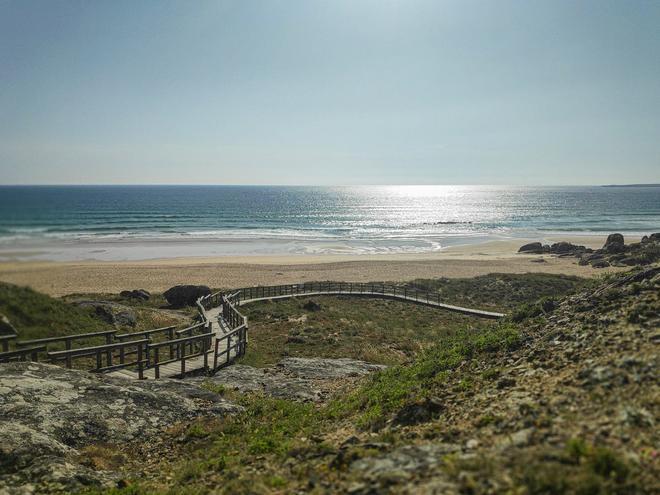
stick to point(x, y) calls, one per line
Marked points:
point(65, 277)
point(262, 251)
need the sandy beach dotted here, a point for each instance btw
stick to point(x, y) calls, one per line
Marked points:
point(60, 278)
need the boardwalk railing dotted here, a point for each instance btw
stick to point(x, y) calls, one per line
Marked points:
point(216, 349)
point(5, 339)
point(231, 339)
point(27, 354)
point(405, 293)
point(186, 348)
point(112, 353)
point(179, 345)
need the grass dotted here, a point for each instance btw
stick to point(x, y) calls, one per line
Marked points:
point(384, 393)
point(581, 468)
point(392, 332)
point(278, 446)
point(375, 330)
point(36, 315)
point(501, 291)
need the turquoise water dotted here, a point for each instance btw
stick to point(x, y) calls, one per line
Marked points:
point(267, 220)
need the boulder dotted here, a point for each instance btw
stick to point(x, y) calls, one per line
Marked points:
point(312, 306)
point(48, 412)
point(324, 369)
point(561, 247)
point(185, 295)
point(418, 412)
point(614, 244)
point(564, 247)
point(403, 463)
point(115, 314)
point(532, 248)
point(141, 294)
point(299, 379)
point(651, 238)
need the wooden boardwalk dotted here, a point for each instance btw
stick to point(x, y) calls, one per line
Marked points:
point(400, 297)
point(216, 340)
point(192, 365)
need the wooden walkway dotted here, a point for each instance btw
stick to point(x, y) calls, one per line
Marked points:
point(216, 340)
point(192, 365)
point(400, 297)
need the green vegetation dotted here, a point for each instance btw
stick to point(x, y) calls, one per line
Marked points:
point(37, 315)
point(393, 332)
point(374, 330)
point(482, 376)
point(382, 394)
point(581, 468)
point(501, 291)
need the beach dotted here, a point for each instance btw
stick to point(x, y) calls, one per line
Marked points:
point(60, 278)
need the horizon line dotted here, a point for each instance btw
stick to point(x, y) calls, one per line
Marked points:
point(169, 184)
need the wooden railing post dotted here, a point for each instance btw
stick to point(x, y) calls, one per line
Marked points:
point(140, 364)
point(108, 355)
point(67, 346)
point(205, 348)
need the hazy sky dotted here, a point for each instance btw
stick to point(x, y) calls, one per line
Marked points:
point(330, 92)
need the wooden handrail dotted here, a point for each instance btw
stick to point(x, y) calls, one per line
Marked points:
point(156, 345)
point(64, 338)
point(22, 354)
point(106, 350)
point(153, 351)
point(406, 293)
point(144, 333)
point(191, 328)
point(94, 349)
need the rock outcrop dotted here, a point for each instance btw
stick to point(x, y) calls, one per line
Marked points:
point(311, 306)
point(613, 253)
point(47, 413)
point(299, 379)
point(614, 244)
point(110, 312)
point(560, 248)
point(532, 248)
point(140, 294)
point(185, 295)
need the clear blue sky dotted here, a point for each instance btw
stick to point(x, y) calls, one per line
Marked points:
point(330, 92)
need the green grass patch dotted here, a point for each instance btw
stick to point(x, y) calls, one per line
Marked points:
point(37, 315)
point(386, 392)
point(375, 330)
point(501, 291)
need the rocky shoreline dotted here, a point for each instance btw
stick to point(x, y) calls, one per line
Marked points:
point(615, 252)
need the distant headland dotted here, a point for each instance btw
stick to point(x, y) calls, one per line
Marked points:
point(631, 185)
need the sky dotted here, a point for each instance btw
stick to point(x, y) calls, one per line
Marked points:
point(329, 92)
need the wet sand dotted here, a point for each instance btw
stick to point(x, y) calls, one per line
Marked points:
point(60, 278)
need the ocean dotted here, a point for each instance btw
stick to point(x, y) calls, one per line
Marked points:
point(140, 222)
